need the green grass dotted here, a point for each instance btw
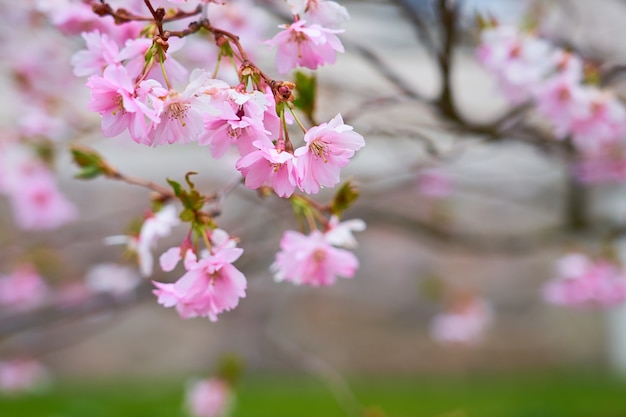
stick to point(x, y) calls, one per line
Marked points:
point(563, 395)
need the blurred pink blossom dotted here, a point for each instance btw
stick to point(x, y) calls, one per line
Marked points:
point(209, 398)
point(23, 290)
point(434, 184)
point(311, 260)
point(583, 282)
point(465, 323)
point(309, 46)
point(20, 375)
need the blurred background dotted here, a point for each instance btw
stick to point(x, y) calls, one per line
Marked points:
point(451, 216)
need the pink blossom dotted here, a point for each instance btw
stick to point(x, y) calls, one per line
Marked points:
point(321, 12)
point(600, 121)
point(122, 104)
point(605, 166)
point(329, 147)
point(20, 375)
point(308, 46)
point(209, 398)
point(269, 166)
point(181, 114)
point(583, 282)
point(465, 323)
point(23, 290)
point(239, 122)
point(133, 55)
point(517, 60)
point(39, 205)
point(311, 260)
point(100, 53)
point(211, 284)
point(36, 200)
point(33, 193)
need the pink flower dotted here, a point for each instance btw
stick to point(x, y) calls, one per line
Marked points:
point(239, 122)
point(605, 166)
point(465, 323)
point(209, 398)
point(100, 53)
point(321, 12)
point(19, 375)
point(308, 46)
point(582, 282)
point(39, 205)
point(123, 105)
point(518, 61)
point(211, 284)
point(269, 166)
point(311, 260)
point(23, 290)
point(133, 55)
point(600, 121)
point(329, 148)
point(36, 200)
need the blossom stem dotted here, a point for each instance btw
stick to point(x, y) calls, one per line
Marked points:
point(295, 116)
point(288, 144)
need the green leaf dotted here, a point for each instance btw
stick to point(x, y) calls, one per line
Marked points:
point(89, 172)
point(175, 186)
point(91, 163)
point(306, 92)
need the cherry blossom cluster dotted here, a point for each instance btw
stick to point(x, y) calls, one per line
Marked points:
point(134, 85)
point(564, 91)
point(584, 282)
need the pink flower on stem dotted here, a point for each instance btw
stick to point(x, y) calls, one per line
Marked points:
point(123, 105)
point(269, 166)
point(583, 282)
point(311, 260)
point(211, 284)
point(209, 398)
point(239, 122)
point(308, 46)
point(329, 147)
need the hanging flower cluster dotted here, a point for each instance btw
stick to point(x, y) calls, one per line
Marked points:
point(565, 91)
